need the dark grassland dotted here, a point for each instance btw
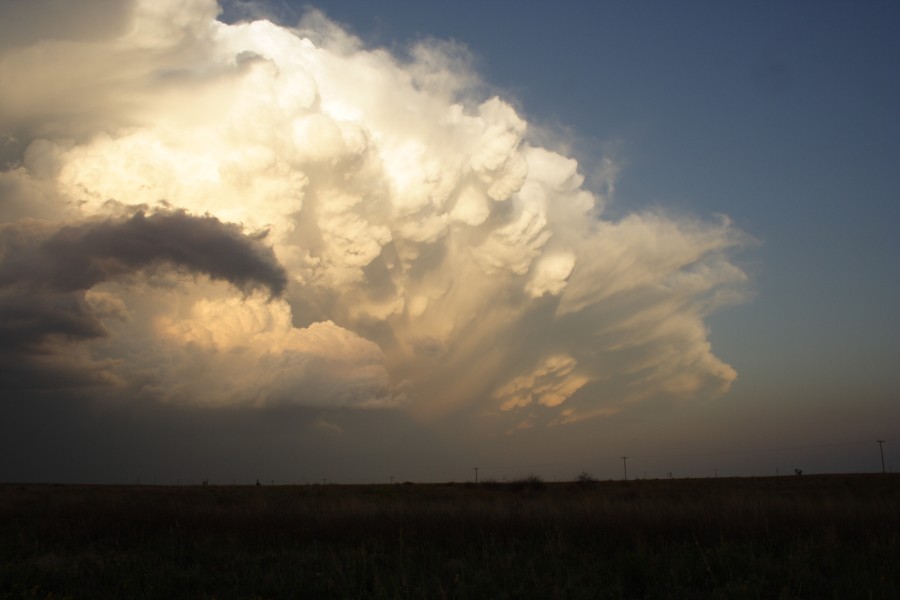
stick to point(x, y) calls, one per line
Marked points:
point(788, 537)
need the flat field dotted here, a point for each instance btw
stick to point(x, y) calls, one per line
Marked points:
point(835, 536)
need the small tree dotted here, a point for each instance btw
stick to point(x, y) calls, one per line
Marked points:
point(585, 479)
point(529, 483)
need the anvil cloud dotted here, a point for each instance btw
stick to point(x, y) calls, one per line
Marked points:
point(251, 214)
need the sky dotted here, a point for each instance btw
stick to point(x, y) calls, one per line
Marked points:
point(356, 242)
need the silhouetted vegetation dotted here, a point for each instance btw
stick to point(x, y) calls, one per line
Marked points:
point(585, 479)
point(788, 537)
point(531, 483)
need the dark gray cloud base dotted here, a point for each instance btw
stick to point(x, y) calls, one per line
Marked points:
point(78, 257)
point(46, 269)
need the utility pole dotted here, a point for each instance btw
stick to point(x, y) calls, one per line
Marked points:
point(625, 466)
point(392, 480)
point(881, 448)
point(476, 474)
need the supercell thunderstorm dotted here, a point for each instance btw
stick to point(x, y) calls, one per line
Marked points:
point(248, 214)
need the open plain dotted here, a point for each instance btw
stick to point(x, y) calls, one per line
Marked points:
point(825, 536)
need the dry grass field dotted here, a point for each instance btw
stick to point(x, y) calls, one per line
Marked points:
point(817, 537)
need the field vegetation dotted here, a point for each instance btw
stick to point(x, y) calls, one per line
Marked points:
point(786, 537)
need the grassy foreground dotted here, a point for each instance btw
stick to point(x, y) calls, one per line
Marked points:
point(789, 537)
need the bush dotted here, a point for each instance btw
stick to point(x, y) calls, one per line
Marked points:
point(585, 479)
point(529, 483)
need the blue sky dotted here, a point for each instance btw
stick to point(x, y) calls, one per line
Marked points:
point(782, 117)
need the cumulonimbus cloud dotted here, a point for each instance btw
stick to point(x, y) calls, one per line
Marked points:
point(426, 251)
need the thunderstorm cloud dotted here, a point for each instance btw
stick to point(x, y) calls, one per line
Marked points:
point(251, 214)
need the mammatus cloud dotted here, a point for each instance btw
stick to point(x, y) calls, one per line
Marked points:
point(421, 250)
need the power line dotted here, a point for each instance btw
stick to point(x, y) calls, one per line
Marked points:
point(757, 451)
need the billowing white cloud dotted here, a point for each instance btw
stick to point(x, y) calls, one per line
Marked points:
point(437, 257)
point(252, 354)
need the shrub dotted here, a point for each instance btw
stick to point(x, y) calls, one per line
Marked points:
point(585, 479)
point(530, 483)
